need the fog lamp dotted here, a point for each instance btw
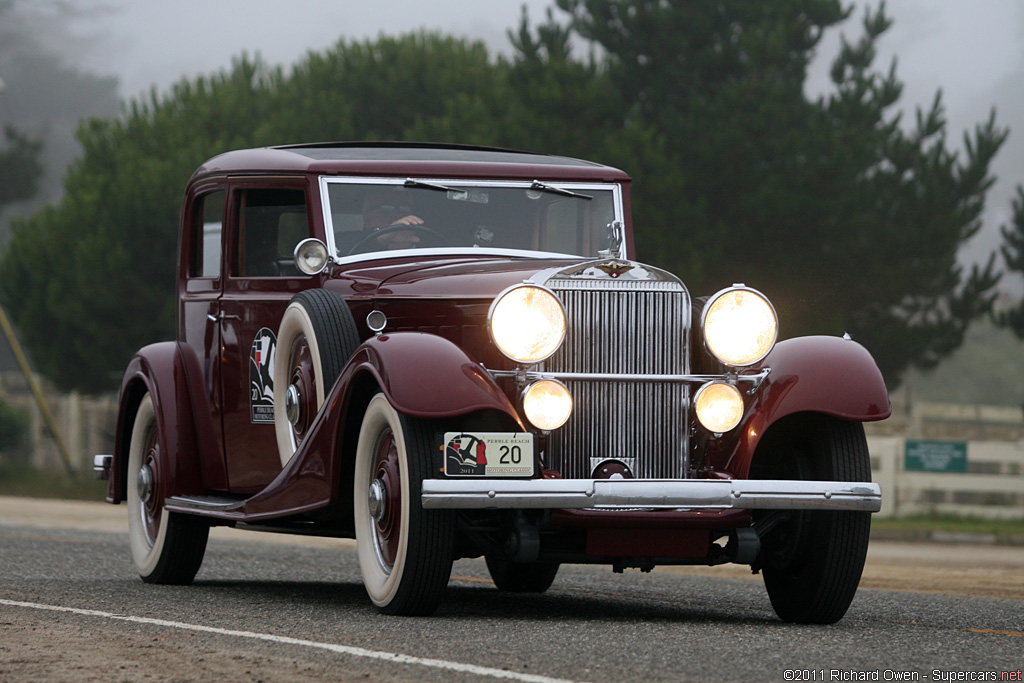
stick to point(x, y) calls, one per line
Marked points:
point(719, 406)
point(547, 404)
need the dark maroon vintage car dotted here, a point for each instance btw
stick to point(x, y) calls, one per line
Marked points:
point(446, 352)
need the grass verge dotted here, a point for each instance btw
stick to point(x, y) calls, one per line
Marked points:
point(18, 479)
point(950, 523)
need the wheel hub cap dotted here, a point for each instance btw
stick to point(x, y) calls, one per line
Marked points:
point(145, 483)
point(377, 498)
point(291, 404)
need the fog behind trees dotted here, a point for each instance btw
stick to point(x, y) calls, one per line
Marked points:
point(45, 93)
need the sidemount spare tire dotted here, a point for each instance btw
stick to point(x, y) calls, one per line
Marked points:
point(316, 338)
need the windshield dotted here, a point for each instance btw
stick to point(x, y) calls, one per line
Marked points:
point(383, 215)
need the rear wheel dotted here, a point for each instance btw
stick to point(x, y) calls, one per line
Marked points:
point(521, 577)
point(167, 547)
point(812, 563)
point(405, 552)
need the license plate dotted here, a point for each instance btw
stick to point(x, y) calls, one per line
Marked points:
point(488, 454)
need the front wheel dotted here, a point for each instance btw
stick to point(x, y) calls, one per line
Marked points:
point(405, 552)
point(812, 563)
point(167, 547)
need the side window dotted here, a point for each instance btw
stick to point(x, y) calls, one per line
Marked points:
point(207, 227)
point(270, 224)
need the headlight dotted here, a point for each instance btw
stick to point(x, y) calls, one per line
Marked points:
point(527, 323)
point(740, 326)
point(547, 404)
point(719, 406)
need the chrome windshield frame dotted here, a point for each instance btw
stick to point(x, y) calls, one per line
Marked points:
point(581, 187)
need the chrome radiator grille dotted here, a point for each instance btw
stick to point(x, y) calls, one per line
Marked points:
point(623, 327)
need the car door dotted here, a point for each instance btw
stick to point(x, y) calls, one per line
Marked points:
point(201, 280)
point(267, 219)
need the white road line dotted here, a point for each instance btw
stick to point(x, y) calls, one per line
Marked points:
point(341, 649)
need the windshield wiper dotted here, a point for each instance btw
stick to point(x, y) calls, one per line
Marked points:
point(413, 182)
point(538, 185)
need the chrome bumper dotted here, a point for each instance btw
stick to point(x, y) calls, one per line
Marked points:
point(745, 494)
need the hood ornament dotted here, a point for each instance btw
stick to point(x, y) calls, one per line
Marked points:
point(614, 269)
point(615, 230)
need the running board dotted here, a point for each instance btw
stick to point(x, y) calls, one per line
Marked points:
point(204, 504)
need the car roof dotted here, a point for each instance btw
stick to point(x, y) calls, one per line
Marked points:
point(406, 159)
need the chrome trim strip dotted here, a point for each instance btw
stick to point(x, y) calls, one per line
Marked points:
point(454, 252)
point(325, 181)
point(744, 494)
point(531, 376)
point(203, 503)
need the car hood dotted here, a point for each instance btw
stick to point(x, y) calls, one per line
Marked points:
point(460, 278)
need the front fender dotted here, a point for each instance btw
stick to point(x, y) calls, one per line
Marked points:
point(427, 376)
point(422, 375)
point(169, 372)
point(828, 375)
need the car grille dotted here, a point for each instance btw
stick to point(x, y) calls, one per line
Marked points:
point(623, 326)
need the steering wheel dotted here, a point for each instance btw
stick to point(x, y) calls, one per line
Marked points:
point(434, 238)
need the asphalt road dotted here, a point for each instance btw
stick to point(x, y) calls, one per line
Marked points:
point(72, 609)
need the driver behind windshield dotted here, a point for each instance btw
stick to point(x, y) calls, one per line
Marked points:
point(386, 208)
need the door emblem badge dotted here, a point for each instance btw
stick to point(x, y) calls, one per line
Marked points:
point(261, 376)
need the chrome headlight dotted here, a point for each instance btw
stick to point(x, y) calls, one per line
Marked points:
point(740, 326)
point(527, 323)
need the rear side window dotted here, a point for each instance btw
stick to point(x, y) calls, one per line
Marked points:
point(206, 239)
point(270, 224)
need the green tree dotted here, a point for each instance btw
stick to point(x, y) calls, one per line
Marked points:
point(114, 232)
point(847, 217)
point(1013, 255)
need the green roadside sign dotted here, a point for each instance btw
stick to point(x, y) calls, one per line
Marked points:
point(935, 456)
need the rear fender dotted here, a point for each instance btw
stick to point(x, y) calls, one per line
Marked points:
point(828, 375)
point(168, 372)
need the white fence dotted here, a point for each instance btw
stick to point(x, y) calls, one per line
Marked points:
point(992, 486)
point(86, 424)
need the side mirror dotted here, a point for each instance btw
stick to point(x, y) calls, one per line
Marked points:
point(310, 256)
